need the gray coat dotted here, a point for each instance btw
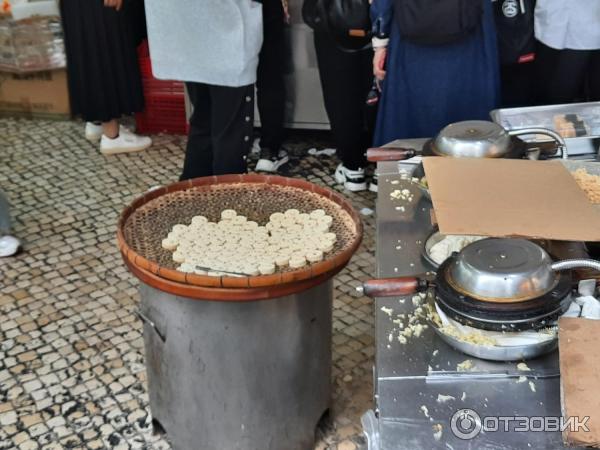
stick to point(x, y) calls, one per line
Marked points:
point(208, 41)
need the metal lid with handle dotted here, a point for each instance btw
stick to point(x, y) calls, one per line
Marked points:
point(495, 269)
point(471, 139)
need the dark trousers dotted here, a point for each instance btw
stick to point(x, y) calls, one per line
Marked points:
point(270, 85)
point(566, 76)
point(518, 83)
point(220, 133)
point(346, 78)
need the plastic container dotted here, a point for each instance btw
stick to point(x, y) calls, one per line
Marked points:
point(165, 101)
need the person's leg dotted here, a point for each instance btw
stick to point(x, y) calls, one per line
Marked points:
point(593, 81)
point(561, 74)
point(344, 94)
point(231, 124)
point(199, 152)
point(270, 87)
point(110, 129)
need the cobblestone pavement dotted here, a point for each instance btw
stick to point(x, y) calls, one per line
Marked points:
point(71, 351)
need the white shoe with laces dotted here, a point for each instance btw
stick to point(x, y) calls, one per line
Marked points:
point(93, 132)
point(125, 142)
point(353, 180)
point(270, 162)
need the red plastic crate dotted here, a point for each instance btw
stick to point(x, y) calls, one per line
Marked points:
point(165, 103)
point(163, 114)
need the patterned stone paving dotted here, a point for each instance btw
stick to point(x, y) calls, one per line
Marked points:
point(71, 352)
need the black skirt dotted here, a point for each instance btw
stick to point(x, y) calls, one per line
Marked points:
point(102, 64)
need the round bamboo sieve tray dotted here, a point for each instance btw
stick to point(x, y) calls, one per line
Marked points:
point(147, 221)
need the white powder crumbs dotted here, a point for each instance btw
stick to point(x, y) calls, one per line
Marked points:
point(395, 269)
point(398, 247)
point(422, 294)
point(464, 366)
point(390, 337)
point(400, 208)
point(435, 352)
point(523, 367)
point(397, 321)
point(463, 396)
point(416, 300)
point(429, 369)
point(395, 182)
point(402, 300)
point(532, 386)
point(444, 398)
point(522, 379)
point(389, 346)
point(437, 431)
point(425, 410)
point(388, 311)
point(402, 339)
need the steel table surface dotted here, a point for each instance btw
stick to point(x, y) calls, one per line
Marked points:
point(409, 376)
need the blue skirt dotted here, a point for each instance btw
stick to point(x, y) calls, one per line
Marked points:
point(428, 87)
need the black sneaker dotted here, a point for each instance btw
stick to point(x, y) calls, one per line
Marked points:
point(270, 162)
point(353, 180)
point(373, 183)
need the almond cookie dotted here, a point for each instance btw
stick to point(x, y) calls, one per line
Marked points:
point(297, 261)
point(228, 214)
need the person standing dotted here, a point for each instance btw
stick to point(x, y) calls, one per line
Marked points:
point(568, 50)
point(346, 79)
point(103, 73)
point(437, 66)
point(213, 46)
point(270, 86)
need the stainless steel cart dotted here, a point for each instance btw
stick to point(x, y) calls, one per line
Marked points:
point(408, 378)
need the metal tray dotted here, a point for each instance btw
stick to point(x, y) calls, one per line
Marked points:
point(498, 353)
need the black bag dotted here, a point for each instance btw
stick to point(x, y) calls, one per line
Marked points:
point(437, 22)
point(348, 21)
point(514, 27)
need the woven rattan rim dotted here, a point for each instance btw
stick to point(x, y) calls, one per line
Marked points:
point(232, 288)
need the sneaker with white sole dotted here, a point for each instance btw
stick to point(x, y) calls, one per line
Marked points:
point(125, 142)
point(270, 162)
point(93, 132)
point(353, 180)
point(373, 187)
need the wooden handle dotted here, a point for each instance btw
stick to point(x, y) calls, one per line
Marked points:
point(392, 287)
point(390, 154)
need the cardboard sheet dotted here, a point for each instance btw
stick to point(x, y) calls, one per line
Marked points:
point(580, 378)
point(510, 197)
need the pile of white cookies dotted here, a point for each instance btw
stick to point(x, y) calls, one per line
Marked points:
point(236, 246)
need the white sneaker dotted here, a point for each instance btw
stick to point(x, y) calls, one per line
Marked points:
point(269, 162)
point(126, 142)
point(93, 132)
point(373, 185)
point(9, 246)
point(353, 180)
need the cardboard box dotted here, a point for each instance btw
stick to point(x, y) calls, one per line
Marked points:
point(35, 95)
point(579, 388)
point(510, 198)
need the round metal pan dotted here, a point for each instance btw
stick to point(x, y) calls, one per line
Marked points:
point(497, 352)
point(519, 315)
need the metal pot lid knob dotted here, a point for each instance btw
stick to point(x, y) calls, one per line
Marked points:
point(473, 139)
point(500, 268)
